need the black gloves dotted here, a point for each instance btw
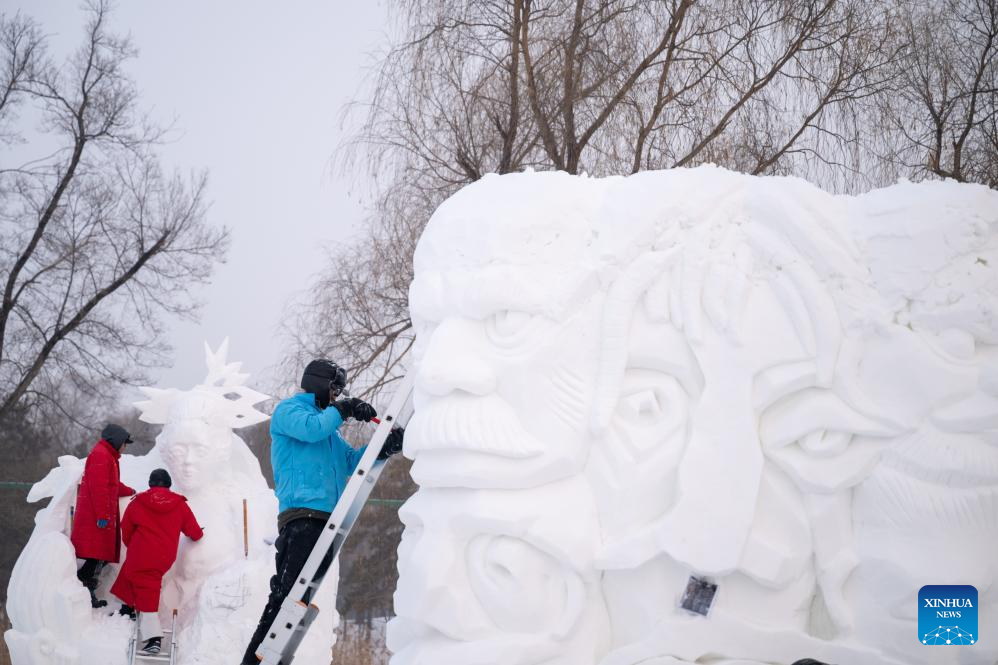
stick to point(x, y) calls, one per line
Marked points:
point(352, 407)
point(393, 444)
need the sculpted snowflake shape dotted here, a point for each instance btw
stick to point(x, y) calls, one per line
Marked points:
point(222, 399)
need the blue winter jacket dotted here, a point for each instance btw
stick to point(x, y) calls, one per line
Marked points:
point(312, 463)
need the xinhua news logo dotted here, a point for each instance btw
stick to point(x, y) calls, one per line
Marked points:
point(947, 615)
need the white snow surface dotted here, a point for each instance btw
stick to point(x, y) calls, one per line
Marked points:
point(624, 382)
point(217, 589)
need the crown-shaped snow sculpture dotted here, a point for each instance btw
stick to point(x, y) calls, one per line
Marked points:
point(222, 399)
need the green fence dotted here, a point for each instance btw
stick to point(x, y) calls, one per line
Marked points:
point(14, 485)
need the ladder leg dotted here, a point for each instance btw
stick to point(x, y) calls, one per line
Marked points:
point(173, 639)
point(133, 643)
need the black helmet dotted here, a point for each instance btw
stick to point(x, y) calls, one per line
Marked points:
point(160, 478)
point(116, 435)
point(321, 376)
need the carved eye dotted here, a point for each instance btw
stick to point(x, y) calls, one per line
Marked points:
point(652, 399)
point(643, 404)
point(652, 410)
point(509, 327)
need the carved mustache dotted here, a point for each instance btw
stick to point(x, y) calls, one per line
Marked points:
point(477, 424)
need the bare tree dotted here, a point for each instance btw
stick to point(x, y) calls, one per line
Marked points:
point(597, 86)
point(97, 242)
point(21, 47)
point(942, 112)
point(357, 313)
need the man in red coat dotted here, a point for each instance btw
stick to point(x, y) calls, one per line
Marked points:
point(151, 530)
point(95, 534)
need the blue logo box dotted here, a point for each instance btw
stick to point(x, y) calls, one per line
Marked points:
point(947, 615)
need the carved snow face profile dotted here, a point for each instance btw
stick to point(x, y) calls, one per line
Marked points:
point(196, 454)
point(507, 344)
point(682, 448)
point(196, 443)
point(499, 577)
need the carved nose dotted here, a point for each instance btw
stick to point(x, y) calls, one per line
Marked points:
point(454, 361)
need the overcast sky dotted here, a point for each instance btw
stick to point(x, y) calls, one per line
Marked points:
point(255, 90)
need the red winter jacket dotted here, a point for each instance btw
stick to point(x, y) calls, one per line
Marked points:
point(97, 499)
point(151, 530)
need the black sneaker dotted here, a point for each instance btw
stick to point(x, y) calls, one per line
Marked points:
point(152, 647)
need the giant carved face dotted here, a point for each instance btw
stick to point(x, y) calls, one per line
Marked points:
point(723, 361)
point(493, 576)
point(507, 346)
point(195, 453)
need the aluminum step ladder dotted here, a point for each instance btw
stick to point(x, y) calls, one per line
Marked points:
point(298, 612)
point(168, 654)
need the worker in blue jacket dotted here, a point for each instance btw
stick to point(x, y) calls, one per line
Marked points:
point(312, 464)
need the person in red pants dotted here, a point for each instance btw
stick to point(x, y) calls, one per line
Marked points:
point(95, 535)
point(151, 530)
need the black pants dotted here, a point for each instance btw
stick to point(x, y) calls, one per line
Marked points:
point(294, 544)
point(89, 572)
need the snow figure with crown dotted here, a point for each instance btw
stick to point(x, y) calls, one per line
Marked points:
point(218, 585)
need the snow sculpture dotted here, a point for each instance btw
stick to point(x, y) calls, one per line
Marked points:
point(785, 393)
point(487, 578)
point(218, 589)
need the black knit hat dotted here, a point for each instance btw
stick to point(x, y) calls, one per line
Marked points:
point(116, 435)
point(160, 478)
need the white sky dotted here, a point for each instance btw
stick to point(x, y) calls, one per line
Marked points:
point(255, 90)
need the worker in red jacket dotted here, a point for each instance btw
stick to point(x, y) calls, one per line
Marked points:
point(95, 534)
point(151, 530)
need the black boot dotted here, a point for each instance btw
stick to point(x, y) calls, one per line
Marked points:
point(88, 575)
point(128, 611)
point(91, 585)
